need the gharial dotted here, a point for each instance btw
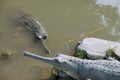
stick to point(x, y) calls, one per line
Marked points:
point(35, 26)
point(82, 69)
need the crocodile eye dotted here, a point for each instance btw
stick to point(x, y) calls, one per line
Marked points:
point(44, 37)
point(57, 61)
point(70, 60)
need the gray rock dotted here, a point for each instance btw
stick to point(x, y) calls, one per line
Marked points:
point(97, 48)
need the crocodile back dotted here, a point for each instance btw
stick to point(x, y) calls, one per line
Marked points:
point(33, 24)
point(93, 69)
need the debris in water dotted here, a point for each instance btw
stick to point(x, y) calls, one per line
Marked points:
point(5, 55)
point(8, 54)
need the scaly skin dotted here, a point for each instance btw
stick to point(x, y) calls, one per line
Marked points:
point(82, 69)
point(35, 26)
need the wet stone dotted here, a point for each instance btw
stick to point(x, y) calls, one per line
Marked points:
point(60, 75)
point(96, 48)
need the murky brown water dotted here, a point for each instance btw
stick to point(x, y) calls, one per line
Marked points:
point(64, 20)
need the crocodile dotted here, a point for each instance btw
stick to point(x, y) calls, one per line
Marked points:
point(35, 26)
point(82, 69)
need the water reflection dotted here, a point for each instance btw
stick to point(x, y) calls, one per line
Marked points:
point(113, 3)
point(105, 21)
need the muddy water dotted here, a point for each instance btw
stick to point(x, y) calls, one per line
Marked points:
point(64, 20)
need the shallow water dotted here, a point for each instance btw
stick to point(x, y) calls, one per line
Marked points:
point(64, 20)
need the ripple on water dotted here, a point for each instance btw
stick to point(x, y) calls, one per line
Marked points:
point(115, 4)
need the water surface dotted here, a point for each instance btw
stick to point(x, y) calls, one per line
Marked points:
point(64, 20)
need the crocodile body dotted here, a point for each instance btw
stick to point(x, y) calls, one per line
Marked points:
point(35, 26)
point(82, 69)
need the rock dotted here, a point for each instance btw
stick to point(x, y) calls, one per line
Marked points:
point(60, 75)
point(99, 48)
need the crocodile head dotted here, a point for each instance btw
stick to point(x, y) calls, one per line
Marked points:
point(62, 62)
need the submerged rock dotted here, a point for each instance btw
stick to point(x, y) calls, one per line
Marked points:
point(7, 55)
point(99, 48)
point(60, 75)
